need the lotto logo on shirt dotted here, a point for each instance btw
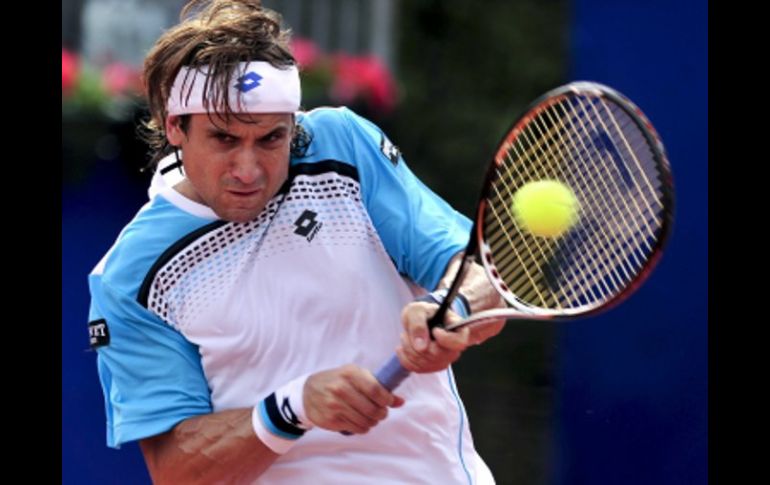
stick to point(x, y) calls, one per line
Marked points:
point(307, 225)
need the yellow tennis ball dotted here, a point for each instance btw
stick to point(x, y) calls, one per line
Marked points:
point(545, 208)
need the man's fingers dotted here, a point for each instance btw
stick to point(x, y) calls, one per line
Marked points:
point(370, 387)
point(436, 357)
point(457, 340)
point(348, 398)
point(418, 352)
point(414, 318)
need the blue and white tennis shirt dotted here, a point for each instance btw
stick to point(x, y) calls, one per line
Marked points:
point(191, 314)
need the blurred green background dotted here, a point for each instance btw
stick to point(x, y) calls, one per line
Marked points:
point(467, 75)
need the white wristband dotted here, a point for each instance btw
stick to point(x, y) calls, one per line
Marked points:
point(279, 420)
point(291, 404)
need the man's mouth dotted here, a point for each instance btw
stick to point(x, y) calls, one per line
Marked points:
point(244, 193)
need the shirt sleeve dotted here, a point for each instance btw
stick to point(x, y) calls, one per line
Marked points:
point(420, 231)
point(150, 374)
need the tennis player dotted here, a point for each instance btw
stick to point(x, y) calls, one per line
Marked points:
point(239, 315)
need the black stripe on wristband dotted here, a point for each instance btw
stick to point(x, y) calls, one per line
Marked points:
point(283, 418)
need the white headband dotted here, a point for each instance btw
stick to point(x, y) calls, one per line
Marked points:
point(259, 87)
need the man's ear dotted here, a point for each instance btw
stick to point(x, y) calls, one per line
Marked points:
point(174, 132)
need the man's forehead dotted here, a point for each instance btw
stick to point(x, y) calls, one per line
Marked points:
point(243, 120)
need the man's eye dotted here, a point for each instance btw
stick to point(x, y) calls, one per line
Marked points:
point(224, 138)
point(275, 137)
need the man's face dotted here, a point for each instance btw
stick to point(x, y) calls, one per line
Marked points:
point(233, 167)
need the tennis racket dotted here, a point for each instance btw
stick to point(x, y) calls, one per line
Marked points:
point(596, 141)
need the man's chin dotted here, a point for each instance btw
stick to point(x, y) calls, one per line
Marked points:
point(237, 215)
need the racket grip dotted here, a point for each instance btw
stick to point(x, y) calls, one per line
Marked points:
point(391, 374)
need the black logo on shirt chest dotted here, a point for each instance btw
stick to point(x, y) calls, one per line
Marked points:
point(307, 225)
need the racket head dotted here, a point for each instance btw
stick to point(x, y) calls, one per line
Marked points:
point(597, 142)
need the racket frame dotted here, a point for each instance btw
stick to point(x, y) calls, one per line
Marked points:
point(519, 309)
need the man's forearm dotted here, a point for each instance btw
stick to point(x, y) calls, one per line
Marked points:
point(214, 448)
point(479, 292)
point(476, 287)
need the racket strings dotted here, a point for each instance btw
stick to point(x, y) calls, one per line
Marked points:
point(623, 265)
point(590, 267)
point(520, 278)
point(595, 181)
point(518, 283)
point(598, 150)
point(610, 194)
point(541, 149)
point(631, 183)
point(582, 275)
point(633, 229)
point(632, 151)
point(594, 117)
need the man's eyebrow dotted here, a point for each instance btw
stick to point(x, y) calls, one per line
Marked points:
point(281, 127)
point(276, 130)
point(216, 130)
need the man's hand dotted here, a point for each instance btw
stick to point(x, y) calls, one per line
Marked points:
point(348, 398)
point(418, 352)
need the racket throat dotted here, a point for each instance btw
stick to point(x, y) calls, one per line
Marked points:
point(437, 320)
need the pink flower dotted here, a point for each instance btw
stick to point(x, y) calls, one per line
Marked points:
point(69, 71)
point(119, 78)
point(364, 77)
point(305, 52)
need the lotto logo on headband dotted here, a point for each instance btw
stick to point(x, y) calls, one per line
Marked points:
point(247, 82)
point(279, 90)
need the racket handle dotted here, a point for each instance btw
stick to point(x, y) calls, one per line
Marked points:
point(391, 374)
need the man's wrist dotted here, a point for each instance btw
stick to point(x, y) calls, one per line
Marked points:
point(279, 420)
point(459, 305)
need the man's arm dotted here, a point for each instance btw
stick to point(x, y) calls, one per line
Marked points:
point(480, 294)
point(223, 446)
point(212, 448)
point(418, 352)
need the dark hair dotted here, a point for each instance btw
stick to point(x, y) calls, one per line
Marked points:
point(219, 34)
